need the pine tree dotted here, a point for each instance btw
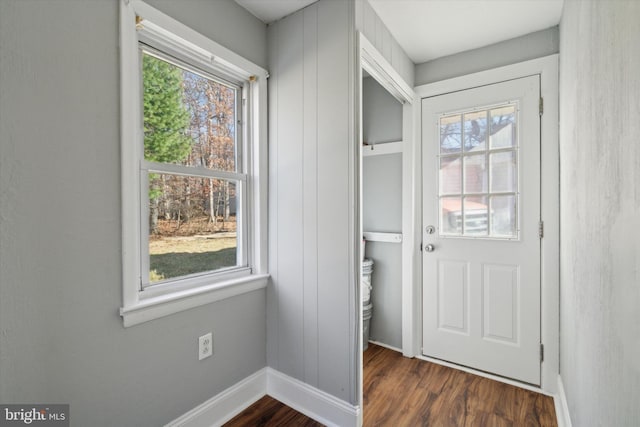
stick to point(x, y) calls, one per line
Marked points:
point(166, 122)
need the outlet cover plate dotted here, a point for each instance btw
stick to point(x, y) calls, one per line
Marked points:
point(205, 346)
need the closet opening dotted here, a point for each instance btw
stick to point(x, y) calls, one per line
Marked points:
point(389, 164)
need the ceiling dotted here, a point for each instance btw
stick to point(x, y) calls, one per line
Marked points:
point(430, 29)
point(272, 10)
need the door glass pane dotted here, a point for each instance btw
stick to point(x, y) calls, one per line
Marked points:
point(503, 127)
point(503, 171)
point(479, 167)
point(192, 225)
point(451, 175)
point(451, 216)
point(503, 216)
point(450, 134)
point(475, 131)
point(475, 174)
point(475, 216)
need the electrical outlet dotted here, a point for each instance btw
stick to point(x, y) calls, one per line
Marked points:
point(205, 346)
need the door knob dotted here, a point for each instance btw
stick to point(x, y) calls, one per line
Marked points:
point(429, 248)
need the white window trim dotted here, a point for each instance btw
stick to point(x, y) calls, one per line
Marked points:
point(140, 306)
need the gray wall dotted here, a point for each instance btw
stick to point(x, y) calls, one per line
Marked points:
point(224, 22)
point(382, 210)
point(61, 338)
point(600, 211)
point(369, 23)
point(381, 114)
point(529, 46)
point(311, 299)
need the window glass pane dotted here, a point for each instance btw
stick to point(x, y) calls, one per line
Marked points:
point(503, 216)
point(475, 216)
point(503, 171)
point(475, 174)
point(450, 175)
point(192, 225)
point(188, 119)
point(451, 216)
point(475, 131)
point(450, 134)
point(479, 167)
point(503, 129)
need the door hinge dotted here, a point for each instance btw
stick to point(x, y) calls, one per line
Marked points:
point(420, 246)
point(541, 352)
point(541, 229)
point(541, 106)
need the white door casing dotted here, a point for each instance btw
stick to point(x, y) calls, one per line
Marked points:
point(481, 281)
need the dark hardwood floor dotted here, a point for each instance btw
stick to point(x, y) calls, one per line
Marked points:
point(411, 392)
point(268, 412)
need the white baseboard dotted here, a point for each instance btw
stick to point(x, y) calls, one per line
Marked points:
point(314, 403)
point(390, 347)
point(561, 405)
point(226, 405)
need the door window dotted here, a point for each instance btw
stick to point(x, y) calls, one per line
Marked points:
point(478, 188)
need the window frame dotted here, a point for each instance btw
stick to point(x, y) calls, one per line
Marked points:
point(141, 24)
point(239, 177)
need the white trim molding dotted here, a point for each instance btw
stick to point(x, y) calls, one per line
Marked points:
point(314, 403)
point(226, 405)
point(390, 347)
point(547, 68)
point(178, 301)
point(383, 72)
point(561, 405)
point(141, 23)
point(373, 62)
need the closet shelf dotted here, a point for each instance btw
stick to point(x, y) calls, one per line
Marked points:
point(382, 148)
point(371, 236)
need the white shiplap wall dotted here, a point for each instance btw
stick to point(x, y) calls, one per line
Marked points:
point(369, 23)
point(311, 300)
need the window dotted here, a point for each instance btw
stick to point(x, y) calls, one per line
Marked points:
point(193, 133)
point(478, 190)
point(192, 220)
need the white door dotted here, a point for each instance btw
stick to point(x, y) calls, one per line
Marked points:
point(481, 213)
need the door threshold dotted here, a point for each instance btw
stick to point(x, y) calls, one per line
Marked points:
point(484, 374)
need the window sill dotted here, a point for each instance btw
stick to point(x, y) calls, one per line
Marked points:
point(160, 306)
